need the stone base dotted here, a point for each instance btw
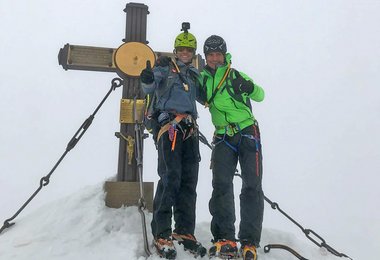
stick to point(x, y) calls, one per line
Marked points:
point(124, 193)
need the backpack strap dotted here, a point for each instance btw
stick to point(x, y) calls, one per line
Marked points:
point(184, 83)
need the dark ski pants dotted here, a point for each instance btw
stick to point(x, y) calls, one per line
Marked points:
point(222, 206)
point(176, 189)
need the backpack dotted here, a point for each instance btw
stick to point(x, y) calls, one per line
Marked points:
point(150, 115)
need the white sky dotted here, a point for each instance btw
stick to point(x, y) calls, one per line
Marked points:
point(318, 62)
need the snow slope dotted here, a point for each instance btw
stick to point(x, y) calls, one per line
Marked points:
point(81, 227)
point(318, 62)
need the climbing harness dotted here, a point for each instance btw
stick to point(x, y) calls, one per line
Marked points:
point(139, 136)
point(308, 232)
point(235, 148)
point(172, 123)
point(174, 126)
point(116, 82)
point(235, 129)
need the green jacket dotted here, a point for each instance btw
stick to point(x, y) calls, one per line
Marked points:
point(229, 112)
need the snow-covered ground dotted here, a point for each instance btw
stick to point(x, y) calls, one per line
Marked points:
point(318, 62)
point(81, 227)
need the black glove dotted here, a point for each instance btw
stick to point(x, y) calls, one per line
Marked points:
point(147, 75)
point(241, 85)
point(163, 61)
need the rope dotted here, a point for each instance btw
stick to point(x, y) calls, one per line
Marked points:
point(207, 104)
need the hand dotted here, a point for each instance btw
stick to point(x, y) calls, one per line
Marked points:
point(147, 75)
point(163, 61)
point(241, 85)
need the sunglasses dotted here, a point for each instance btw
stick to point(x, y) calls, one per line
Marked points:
point(181, 49)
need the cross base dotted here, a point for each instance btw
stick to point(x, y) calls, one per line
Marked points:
point(123, 193)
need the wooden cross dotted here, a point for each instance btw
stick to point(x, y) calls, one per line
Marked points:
point(125, 191)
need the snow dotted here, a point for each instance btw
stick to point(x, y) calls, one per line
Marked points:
point(318, 62)
point(80, 227)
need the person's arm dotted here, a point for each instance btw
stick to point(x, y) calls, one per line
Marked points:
point(201, 94)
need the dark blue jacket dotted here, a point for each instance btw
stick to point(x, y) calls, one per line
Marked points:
point(171, 95)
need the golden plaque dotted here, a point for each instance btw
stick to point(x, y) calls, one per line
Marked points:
point(130, 112)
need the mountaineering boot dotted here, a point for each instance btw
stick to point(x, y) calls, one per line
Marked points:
point(225, 249)
point(248, 251)
point(190, 244)
point(165, 248)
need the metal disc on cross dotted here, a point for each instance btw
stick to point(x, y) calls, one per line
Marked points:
point(131, 57)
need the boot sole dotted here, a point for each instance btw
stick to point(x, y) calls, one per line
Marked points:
point(226, 256)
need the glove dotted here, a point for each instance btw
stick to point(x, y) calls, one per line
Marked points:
point(147, 75)
point(163, 61)
point(241, 85)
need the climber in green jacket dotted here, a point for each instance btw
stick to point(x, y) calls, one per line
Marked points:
point(236, 138)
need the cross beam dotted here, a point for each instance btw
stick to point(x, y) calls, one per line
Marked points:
point(90, 58)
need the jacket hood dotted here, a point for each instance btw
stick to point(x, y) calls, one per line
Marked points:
point(228, 58)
